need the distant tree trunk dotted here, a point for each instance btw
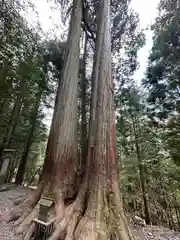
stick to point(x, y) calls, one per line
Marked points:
point(38, 171)
point(3, 105)
point(168, 210)
point(84, 103)
point(141, 169)
point(171, 215)
point(176, 210)
point(14, 120)
point(9, 130)
point(24, 158)
point(165, 204)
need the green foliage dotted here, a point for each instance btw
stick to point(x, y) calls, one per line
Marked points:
point(127, 39)
point(162, 77)
point(160, 175)
point(154, 113)
point(24, 79)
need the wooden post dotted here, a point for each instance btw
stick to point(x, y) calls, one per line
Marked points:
point(45, 205)
point(43, 226)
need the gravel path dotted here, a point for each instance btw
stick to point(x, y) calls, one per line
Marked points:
point(155, 233)
point(6, 203)
point(6, 232)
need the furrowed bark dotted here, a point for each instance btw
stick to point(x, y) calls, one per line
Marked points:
point(103, 217)
point(62, 145)
point(95, 213)
point(59, 171)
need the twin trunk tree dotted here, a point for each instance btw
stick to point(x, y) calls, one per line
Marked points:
point(90, 208)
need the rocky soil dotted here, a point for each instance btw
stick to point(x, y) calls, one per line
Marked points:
point(154, 233)
point(9, 193)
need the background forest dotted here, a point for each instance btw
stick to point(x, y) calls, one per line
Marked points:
point(148, 116)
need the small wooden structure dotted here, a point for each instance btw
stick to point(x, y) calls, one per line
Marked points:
point(44, 228)
point(8, 165)
point(45, 205)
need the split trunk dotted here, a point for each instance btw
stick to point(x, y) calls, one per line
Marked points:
point(92, 209)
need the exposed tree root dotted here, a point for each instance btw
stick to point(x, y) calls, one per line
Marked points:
point(19, 200)
point(94, 218)
point(65, 227)
point(30, 232)
point(89, 229)
point(23, 223)
point(73, 222)
point(65, 218)
point(21, 212)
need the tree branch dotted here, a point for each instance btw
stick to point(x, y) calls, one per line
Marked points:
point(86, 26)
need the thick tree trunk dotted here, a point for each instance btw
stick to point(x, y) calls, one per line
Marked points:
point(103, 215)
point(24, 158)
point(95, 212)
point(62, 145)
point(59, 172)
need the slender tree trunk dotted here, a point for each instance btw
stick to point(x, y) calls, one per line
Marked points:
point(141, 170)
point(15, 117)
point(84, 104)
point(166, 207)
point(12, 121)
point(24, 158)
point(9, 130)
point(35, 174)
point(171, 215)
point(168, 211)
point(177, 210)
point(4, 102)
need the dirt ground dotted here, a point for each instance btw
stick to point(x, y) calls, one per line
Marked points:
point(9, 193)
